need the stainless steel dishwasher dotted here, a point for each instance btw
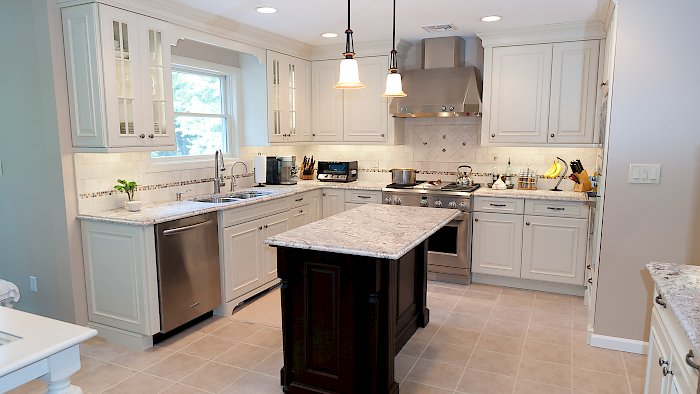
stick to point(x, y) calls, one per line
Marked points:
point(187, 255)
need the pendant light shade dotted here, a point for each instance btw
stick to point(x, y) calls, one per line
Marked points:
point(393, 80)
point(349, 77)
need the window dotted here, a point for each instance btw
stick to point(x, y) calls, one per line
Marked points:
point(203, 102)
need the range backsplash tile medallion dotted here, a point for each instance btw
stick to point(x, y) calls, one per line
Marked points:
point(433, 146)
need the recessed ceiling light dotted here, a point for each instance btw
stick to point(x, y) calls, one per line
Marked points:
point(491, 18)
point(266, 10)
point(329, 35)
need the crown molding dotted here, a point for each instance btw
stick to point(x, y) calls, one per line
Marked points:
point(364, 49)
point(560, 32)
point(205, 22)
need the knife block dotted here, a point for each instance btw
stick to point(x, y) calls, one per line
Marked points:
point(584, 184)
point(307, 177)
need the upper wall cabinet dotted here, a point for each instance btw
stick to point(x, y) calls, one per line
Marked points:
point(355, 115)
point(119, 79)
point(539, 93)
point(288, 97)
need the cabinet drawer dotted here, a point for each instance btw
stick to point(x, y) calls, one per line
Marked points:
point(299, 199)
point(556, 208)
point(253, 211)
point(361, 196)
point(497, 204)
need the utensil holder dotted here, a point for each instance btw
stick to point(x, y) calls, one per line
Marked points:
point(307, 177)
point(584, 184)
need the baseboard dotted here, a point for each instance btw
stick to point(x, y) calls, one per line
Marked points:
point(621, 344)
point(125, 338)
point(528, 284)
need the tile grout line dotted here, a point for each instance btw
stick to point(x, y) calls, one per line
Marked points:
point(520, 362)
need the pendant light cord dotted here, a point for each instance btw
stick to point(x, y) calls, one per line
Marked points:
point(393, 62)
point(349, 42)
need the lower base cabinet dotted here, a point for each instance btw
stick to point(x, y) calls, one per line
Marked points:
point(496, 243)
point(333, 202)
point(669, 369)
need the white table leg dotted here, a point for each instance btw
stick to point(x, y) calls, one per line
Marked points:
point(63, 386)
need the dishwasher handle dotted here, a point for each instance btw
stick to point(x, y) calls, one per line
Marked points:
point(176, 230)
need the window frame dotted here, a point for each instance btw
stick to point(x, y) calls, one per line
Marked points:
point(231, 107)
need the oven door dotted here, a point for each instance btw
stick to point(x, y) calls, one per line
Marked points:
point(449, 249)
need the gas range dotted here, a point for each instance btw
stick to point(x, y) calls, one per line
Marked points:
point(430, 194)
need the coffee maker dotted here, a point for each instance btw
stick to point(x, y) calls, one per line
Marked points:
point(281, 170)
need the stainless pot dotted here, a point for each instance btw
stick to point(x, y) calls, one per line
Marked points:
point(463, 178)
point(403, 176)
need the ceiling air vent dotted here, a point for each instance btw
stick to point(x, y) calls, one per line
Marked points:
point(439, 28)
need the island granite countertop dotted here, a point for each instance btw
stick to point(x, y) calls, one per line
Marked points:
point(372, 230)
point(679, 285)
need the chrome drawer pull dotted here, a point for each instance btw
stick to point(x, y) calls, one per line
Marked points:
point(497, 205)
point(689, 360)
point(658, 301)
point(364, 196)
point(556, 208)
point(299, 199)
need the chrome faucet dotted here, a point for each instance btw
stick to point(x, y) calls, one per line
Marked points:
point(233, 178)
point(219, 171)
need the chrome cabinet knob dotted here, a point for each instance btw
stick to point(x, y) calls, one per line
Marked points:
point(667, 371)
point(397, 201)
point(438, 204)
point(662, 362)
point(476, 220)
point(551, 135)
point(493, 135)
point(423, 203)
point(527, 223)
point(452, 205)
point(151, 136)
point(387, 200)
point(142, 136)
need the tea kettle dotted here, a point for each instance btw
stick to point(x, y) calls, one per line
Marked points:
point(463, 178)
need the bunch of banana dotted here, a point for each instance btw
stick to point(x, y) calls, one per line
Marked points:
point(554, 170)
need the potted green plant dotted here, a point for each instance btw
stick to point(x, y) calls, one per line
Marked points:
point(129, 187)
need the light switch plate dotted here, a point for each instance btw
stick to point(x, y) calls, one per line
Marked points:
point(644, 173)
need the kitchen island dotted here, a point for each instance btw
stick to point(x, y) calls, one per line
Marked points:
point(353, 293)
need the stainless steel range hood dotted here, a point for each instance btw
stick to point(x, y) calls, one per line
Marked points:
point(443, 88)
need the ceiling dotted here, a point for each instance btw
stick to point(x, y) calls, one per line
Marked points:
point(305, 20)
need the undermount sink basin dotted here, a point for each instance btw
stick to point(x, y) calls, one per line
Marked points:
point(216, 200)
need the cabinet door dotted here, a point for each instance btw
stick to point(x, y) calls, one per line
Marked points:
point(327, 102)
point(122, 83)
point(520, 86)
point(554, 249)
point(156, 69)
point(497, 243)
point(283, 94)
point(242, 256)
point(302, 107)
point(659, 352)
point(333, 202)
point(573, 92)
point(365, 110)
point(315, 206)
point(273, 225)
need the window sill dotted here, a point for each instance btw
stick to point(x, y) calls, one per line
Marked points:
point(183, 163)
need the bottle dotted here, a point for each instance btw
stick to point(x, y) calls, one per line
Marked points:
point(509, 175)
point(494, 171)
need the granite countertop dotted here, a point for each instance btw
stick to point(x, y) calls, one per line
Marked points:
point(167, 211)
point(372, 230)
point(679, 285)
point(532, 194)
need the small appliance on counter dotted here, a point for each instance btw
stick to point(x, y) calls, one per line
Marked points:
point(281, 170)
point(337, 171)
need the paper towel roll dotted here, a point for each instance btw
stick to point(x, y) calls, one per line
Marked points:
point(260, 169)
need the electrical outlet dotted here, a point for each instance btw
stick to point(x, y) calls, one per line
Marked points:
point(32, 284)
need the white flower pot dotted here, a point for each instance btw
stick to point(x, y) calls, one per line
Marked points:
point(133, 206)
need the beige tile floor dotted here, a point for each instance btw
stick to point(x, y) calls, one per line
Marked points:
point(481, 339)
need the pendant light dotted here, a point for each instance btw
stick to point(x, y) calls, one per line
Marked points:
point(349, 75)
point(393, 80)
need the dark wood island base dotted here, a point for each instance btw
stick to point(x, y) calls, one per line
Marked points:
point(345, 317)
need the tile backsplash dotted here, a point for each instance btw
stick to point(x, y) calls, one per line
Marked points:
point(435, 146)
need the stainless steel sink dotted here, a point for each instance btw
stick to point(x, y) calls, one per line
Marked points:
point(247, 195)
point(216, 200)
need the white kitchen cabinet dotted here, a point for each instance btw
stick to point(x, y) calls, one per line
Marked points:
point(333, 202)
point(315, 205)
point(497, 243)
point(352, 115)
point(667, 368)
point(288, 97)
point(554, 249)
point(121, 278)
point(248, 263)
point(119, 79)
point(540, 94)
